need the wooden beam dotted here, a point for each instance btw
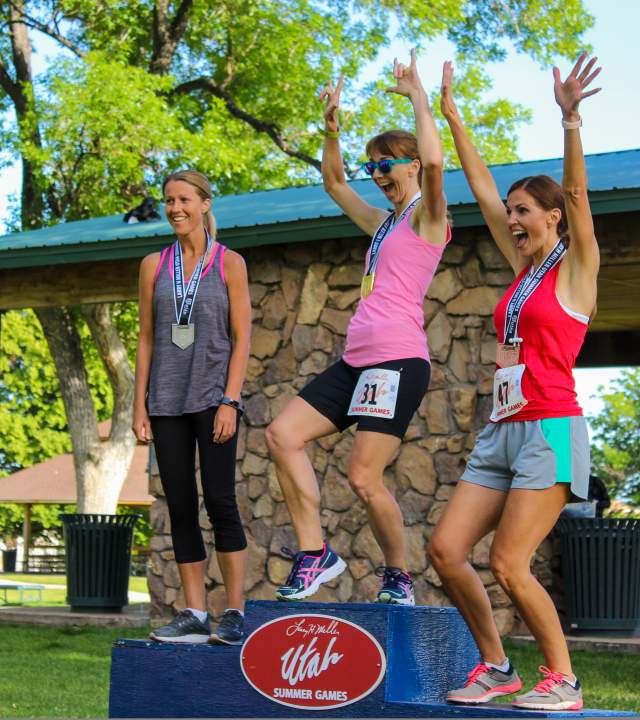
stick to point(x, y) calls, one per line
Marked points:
point(610, 349)
point(117, 280)
point(75, 284)
point(618, 298)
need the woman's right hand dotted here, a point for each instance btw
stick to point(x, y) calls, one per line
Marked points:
point(141, 426)
point(332, 97)
point(447, 103)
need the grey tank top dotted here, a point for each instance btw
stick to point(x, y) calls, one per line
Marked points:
point(193, 379)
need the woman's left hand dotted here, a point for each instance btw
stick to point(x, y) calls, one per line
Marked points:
point(407, 78)
point(570, 92)
point(224, 424)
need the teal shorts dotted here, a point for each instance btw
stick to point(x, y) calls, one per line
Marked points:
point(532, 454)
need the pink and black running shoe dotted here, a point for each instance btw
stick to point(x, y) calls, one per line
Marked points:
point(397, 586)
point(309, 572)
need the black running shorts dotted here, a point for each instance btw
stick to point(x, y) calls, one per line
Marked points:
point(332, 391)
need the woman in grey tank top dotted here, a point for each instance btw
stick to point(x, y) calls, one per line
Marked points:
point(193, 349)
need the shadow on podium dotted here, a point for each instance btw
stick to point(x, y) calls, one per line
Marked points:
point(412, 655)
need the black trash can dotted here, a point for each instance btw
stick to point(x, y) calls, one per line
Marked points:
point(601, 571)
point(9, 560)
point(97, 558)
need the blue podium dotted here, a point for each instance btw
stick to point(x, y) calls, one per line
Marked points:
point(412, 655)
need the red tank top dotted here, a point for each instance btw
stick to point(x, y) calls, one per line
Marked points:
point(551, 342)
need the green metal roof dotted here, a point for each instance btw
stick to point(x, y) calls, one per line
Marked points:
point(300, 214)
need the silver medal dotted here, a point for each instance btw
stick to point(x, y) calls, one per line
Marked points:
point(182, 335)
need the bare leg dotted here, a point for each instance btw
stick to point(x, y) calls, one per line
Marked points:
point(192, 577)
point(471, 513)
point(370, 456)
point(233, 566)
point(527, 519)
point(296, 425)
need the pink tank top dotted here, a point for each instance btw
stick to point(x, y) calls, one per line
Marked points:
point(389, 323)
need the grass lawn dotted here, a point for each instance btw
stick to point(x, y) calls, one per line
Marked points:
point(52, 596)
point(72, 671)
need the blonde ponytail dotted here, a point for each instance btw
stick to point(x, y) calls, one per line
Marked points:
point(210, 224)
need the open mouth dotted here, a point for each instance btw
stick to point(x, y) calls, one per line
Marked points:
point(386, 186)
point(521, 237)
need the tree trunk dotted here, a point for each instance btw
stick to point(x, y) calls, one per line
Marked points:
point(101, 467)
point(23, 99)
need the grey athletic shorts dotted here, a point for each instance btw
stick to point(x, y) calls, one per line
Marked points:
point(532, 454)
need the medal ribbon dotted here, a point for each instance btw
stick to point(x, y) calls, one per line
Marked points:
point(184, 301)
point(527, 286)
point(383, 230)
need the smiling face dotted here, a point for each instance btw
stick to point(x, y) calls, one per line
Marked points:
point(399, 185)
point(534, 229)
point(184, 207)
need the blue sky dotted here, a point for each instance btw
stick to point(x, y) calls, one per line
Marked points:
point(611, 118)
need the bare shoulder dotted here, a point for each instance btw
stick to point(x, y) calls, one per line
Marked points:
point(433, 231)
point(233, 259)
point(149, 264)
point(235, 267)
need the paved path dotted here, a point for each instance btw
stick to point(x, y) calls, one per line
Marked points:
point(133, 594)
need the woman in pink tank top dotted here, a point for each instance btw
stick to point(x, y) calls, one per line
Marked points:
point(384, 372)
point(535, 451)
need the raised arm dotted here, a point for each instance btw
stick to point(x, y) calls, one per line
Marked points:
point(432, 213)
point(583, 254)
point(365, 216)
point(478, 176)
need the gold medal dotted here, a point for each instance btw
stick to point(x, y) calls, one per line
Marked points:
point(366, 286)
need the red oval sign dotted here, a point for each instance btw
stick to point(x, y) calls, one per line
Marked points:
point(312, 662)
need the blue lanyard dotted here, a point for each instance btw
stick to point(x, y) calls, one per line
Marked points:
point(383, 230)
point(526, 287)
point(184, 301)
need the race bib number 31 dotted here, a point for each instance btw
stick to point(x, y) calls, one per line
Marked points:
point(507, 392)
point(376, 393)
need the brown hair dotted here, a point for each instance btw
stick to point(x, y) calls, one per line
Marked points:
point(203, 188)
point(397, 144)
point(549, 196)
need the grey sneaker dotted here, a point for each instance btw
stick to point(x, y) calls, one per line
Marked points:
point(230, 630)
point(184, 628)
point(553, 692)
point(485, 683)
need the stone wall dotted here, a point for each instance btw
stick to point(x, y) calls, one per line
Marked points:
point(303, 296)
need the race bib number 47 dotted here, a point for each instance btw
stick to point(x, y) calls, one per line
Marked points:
point(507, 392)
point(376, 393)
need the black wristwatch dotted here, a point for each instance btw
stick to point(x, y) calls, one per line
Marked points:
point(235, 404)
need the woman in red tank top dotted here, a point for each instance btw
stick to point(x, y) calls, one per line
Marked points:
point(534, 451)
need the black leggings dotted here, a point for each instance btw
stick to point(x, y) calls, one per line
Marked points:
point(174, 438)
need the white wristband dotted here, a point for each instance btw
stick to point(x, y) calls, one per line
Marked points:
point(568, 125)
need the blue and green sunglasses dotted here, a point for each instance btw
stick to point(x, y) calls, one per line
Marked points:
point(385, 165)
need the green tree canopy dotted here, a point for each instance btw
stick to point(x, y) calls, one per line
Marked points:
point(231, 87)
point(616, 455)
point(142, 87)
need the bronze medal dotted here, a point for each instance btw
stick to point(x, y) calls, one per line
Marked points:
point(507, 355)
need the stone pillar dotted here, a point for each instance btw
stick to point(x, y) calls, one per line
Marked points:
point(303, 296)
